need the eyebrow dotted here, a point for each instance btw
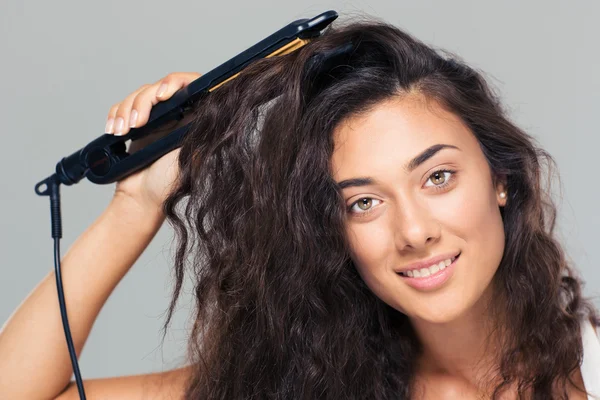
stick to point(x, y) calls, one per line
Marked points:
point(409, 167)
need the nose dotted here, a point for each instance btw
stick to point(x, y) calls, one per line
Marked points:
point(416, 225)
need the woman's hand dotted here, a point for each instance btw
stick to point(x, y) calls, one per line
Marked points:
point(150, 186)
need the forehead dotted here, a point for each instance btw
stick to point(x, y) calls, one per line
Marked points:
point(393, 132)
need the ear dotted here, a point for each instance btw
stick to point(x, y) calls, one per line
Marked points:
point(501, 190)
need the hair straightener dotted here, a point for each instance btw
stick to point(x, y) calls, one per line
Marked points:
point(108, 159)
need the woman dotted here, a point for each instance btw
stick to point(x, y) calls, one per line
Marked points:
point(362, 221)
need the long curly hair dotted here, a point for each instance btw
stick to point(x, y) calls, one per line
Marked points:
point(280, 310)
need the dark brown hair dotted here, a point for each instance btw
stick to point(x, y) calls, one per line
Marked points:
point(280, 310)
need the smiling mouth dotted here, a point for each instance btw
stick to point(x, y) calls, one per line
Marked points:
point(432, 270)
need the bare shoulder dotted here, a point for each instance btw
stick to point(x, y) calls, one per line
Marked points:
point(442, 387)
point(154, 386)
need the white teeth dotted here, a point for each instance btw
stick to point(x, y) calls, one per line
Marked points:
point(424, 272)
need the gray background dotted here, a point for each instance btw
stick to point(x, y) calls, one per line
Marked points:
point(64, 63)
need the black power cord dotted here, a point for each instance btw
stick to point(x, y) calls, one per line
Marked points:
point(53, 190)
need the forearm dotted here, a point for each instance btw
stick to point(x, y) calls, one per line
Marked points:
point(34, 361)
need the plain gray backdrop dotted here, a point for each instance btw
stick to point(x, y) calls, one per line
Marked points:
point(64, 63)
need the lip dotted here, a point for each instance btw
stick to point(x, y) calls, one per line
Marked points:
point(432, 281)
point(428, 263)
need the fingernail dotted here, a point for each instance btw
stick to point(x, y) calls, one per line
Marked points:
point(109, 125)
point(119, 126)
point(133, 118)
point(161, 90)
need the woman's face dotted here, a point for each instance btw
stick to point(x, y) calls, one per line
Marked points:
point(415, 213)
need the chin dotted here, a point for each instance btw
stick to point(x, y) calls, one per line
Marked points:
point(438, 310)
point(437, 315)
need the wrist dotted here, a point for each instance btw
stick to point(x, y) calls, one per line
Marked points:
point(133, 211)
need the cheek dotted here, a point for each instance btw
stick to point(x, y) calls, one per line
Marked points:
point(371, 245)
point(474, 216)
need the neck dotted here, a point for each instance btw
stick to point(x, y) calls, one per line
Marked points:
point(463, 350)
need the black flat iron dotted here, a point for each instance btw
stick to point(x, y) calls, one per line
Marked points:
point(107, 159)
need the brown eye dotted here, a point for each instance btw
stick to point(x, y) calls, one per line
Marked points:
point(441, 178)
point(364, 205)
point(366, 202)
point(438, 178)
